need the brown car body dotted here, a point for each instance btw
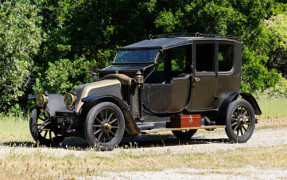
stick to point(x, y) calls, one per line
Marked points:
point(177, 84)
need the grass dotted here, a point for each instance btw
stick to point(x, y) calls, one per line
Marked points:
point(36, 164)
point(14, 130)
point(274, 113)
point(273, 107)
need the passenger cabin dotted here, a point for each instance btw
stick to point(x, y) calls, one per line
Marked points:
point(181, 74)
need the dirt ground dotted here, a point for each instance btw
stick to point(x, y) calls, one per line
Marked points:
point(207, 142)
point(189, 173)
point(201, 142)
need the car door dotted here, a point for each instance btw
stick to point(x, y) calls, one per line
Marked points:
point(204, 76)
point(168, 91)
point(229, 69)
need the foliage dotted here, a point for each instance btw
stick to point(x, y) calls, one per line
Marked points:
point(64, 75)
point(255, 75)
point(20, 38)
point(240, 18)
point(53, 46)
point(278, 57)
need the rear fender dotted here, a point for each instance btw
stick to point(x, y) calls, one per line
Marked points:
point(222, 110)
point(131, 126)
point(248, 97)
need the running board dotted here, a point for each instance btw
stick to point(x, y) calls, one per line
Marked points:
point(179, 129)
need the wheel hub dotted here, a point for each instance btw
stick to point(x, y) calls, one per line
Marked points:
point(106, 127)
point(241, 121)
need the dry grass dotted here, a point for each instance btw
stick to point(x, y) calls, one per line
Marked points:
point(20, 164)
point(14, 130)
point(273, 107)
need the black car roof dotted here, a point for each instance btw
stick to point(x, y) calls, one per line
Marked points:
point(167, 43)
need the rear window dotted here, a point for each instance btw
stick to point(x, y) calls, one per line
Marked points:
point(225, 57)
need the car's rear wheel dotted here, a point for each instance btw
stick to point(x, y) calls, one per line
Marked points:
point(42, 128)
point(240, 121)
point(185, 134)
point(105, 125)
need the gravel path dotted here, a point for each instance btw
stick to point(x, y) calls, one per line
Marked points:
point(189, 173)
point(214, 142)
point(205, 142)
point(201, 142)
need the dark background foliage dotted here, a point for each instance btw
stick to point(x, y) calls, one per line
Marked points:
point(54, 46)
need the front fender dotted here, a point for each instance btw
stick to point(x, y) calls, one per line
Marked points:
point(55, 102)
point(131, 126)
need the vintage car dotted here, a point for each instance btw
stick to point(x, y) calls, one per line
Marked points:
point(168, 83)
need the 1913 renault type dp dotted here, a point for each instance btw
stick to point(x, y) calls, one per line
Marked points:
point(170, 83)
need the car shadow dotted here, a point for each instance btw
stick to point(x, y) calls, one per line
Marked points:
point(142, 141)
point(145, 141)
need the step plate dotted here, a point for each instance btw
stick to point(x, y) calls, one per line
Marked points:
point(179, 129)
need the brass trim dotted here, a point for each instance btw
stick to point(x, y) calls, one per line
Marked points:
point(95, 85)
point(124, 79)
point(180, 129)
point(73, 99)
point(44, 99)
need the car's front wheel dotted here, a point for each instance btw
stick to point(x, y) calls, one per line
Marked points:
point(43, 130)
point(104, 126)
point(240, 121)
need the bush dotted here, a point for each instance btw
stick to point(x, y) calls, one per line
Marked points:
point(64, 75)
point(20, 39)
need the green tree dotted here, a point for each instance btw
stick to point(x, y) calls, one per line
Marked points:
point(278, 56)
point(86, 31)
point(20, 38)
point(239, 18)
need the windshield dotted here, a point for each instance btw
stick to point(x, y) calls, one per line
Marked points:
point(136, 56)
point(123, 68)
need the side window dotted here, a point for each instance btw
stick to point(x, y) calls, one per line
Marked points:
point(160, 61)
point(205, 57)
point(225, 57)
point(178, 59)
point(175, 60)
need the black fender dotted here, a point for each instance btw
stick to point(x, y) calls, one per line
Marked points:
point(55, 103)
point(131, 126)
point(233, 96)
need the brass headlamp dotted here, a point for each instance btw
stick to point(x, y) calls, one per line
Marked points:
point(41, 100)
point(69, 99)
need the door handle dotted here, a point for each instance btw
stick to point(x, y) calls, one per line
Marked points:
point(197, 79)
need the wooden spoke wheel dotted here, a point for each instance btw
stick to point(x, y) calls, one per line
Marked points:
point(240, 121)
point(42, 128)
point(105, 125)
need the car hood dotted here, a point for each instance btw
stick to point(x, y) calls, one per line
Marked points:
point(89, 89)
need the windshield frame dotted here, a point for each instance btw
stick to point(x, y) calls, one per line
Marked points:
point(142, 62)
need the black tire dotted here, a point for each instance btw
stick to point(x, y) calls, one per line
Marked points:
point(185, 134)
point(240, 121)
point(104, 126)
point(43, 130)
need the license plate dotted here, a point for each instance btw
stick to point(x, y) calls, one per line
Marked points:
point(66, 120)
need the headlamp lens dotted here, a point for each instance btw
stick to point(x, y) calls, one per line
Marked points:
point(41, 100)
point(69, 99)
